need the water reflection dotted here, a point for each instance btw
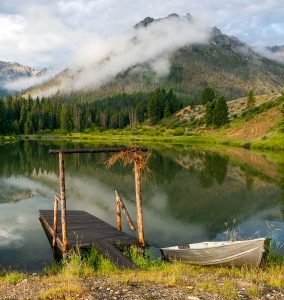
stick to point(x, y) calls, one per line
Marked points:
point(190, 196)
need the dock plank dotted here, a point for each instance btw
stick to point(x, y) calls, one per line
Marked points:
point(85, 230)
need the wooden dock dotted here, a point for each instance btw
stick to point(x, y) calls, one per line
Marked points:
point(84, 231)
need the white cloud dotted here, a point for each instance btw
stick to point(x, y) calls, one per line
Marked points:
point(46, 32)
point(101, 58)
point(24, 83)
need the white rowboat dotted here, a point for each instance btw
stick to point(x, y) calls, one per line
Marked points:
point(225, 253)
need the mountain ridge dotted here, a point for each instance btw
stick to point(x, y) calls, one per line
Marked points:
point(12, 71)
point(229, 65)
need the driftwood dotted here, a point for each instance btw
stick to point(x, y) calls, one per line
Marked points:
point(120, 206)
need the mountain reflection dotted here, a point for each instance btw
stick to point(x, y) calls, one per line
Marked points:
point(190, 195)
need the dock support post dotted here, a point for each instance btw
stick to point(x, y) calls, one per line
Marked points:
point(55, 220)
point(140, 227)
point(63, 201)
point(121, 207)
point(118, 212)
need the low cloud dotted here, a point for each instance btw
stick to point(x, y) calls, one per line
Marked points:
point(101, 58)
point(27, 82)
point(266, 52)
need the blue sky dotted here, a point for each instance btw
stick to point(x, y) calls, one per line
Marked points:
point(47, 32)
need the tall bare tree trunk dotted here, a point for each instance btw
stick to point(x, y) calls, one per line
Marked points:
point(140, 227)
point(63, 201)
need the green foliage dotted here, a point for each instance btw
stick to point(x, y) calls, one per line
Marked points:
point(209, 113)
point(220, 114)
point(97, 262)
point(162, 105)
point(142, 258)
point(207, 95)
point(70, 113)
point(250, 99)
point(217, 113)
point(178, 131)
point(66, 119)
point(12, 277)
point(249, 113)
point(81, 263)
point(2, 116)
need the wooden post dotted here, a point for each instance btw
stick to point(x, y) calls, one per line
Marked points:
point(55, 219)
point(123, 208)
point(63, 201)
point(118, 214)
point(138, 178)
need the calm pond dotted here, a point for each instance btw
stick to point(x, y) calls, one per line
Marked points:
point(192, 195)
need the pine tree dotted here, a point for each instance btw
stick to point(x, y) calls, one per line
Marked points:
point(23, 115)
point(15, 127)
point(66, 120)
point(28, 126)
point(207, 95)
point(220, 113)
point(167, 111)
point(250, 99)
point(141, 110)
point(153, 108)
point(209, 113)
point(2, 117)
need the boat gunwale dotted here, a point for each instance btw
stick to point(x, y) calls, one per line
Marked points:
point(228, 243)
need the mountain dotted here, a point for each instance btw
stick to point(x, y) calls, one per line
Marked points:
point(225, 63)
point(276, 49)
point(278, 52)
point(11, 71)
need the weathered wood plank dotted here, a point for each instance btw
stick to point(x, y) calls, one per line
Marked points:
point(114, 255)
point(92, 150)
point(85, 230)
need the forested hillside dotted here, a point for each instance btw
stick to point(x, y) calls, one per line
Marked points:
point(67, 112)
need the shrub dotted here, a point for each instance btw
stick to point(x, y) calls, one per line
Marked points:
point(178, 131)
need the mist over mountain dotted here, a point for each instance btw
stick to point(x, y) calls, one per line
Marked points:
point(172, 52)
point(277, 52)
point(15, 77)
point(276, 49)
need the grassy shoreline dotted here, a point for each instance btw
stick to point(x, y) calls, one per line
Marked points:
point(74, 279)
point(127, 137)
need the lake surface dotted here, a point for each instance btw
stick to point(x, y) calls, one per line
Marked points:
point(192, 195)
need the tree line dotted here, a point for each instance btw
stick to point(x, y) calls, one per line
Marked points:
point(19, 115)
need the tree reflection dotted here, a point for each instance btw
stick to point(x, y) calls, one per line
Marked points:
point(215, 168)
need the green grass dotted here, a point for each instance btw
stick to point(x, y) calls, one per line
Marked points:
point(12, 277)
point(81, 264)
point(8, 139)
point(66, 280)
point(68, 291)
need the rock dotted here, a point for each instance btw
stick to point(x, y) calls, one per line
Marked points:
point(193, 298)
point(24, 281)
